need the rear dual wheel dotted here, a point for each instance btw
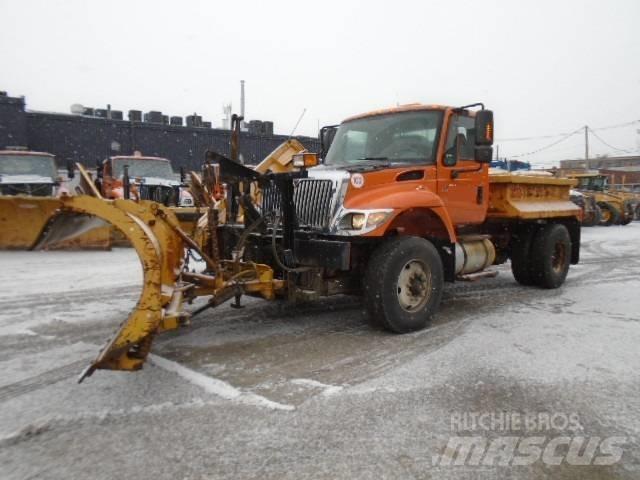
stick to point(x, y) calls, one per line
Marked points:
point(541, 255)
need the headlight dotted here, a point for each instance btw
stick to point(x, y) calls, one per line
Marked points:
point(377, 218)
point(352, 221)
point(362, 222)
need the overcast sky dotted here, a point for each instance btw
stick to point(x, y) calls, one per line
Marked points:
point(544, 67)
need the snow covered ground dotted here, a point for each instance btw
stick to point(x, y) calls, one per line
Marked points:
point(271, 391)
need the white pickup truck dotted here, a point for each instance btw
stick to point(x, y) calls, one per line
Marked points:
point(23, 172)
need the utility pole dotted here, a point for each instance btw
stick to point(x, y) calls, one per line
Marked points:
point(586, 143)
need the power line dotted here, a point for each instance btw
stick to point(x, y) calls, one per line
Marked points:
point(619, 125)
point(608, 144)
point(566, 136)
point(541, 137)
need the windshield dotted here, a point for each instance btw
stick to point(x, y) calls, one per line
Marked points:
point(593, 183)
point(40, 165)
point(408, 137)
point(143, 168)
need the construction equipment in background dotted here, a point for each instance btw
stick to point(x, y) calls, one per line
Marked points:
point(591, 213)
point(616, 208)
point(394, 212)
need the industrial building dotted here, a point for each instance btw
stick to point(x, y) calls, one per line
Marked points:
point(600, 163)
point(88, 135)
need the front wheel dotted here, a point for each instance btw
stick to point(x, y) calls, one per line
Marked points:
point(403, 284)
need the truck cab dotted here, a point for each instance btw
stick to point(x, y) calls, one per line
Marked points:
point(24, 172)
point(414, 156)
point(141, 177)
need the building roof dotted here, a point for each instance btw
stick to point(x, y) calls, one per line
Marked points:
point(629, 168)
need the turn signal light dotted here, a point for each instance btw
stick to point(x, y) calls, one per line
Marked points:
point(305, 160)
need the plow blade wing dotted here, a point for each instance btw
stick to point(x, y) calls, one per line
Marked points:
point(36, 222)
point(144, 225)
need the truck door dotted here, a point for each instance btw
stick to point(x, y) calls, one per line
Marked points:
point(462, 182)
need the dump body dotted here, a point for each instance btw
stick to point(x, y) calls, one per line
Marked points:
point(530, 197)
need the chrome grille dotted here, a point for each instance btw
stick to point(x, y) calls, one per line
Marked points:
point(158, 193)
point(312, 199)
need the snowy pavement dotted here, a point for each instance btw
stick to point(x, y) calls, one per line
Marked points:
point(272, 391)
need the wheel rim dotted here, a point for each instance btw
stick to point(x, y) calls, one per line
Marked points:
point(559, 257)
point(414, 285)
point(606, 215)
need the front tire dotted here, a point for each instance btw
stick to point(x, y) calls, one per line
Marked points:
point(403, 284)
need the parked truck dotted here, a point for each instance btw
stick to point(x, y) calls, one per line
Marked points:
point(142, 178)
point(401, 203)
point(28, 173)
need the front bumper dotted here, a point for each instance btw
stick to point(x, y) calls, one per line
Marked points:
point(330, 254)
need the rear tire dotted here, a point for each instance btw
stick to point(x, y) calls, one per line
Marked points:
point(629, 212)
point(551, 255)
point(610, 214)
point(403, 284)
point(521, 265)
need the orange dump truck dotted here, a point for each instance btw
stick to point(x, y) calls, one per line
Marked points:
point(402, 202)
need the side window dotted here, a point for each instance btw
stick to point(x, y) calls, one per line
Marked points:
point(460, 140)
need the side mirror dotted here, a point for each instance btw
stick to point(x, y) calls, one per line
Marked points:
point(70, 170)
point(126, 182)
point(99, 172)
point(484, 128)
point(483, 153)
point(327, 134)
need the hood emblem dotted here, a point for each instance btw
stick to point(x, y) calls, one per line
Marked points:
point(357, 180)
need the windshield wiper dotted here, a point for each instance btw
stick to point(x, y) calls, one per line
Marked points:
point(373, 158)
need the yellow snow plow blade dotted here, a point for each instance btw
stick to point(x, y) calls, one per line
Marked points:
point(156, 234)
point(147, 226)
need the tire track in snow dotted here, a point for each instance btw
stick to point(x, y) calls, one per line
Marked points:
point(42, 380)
